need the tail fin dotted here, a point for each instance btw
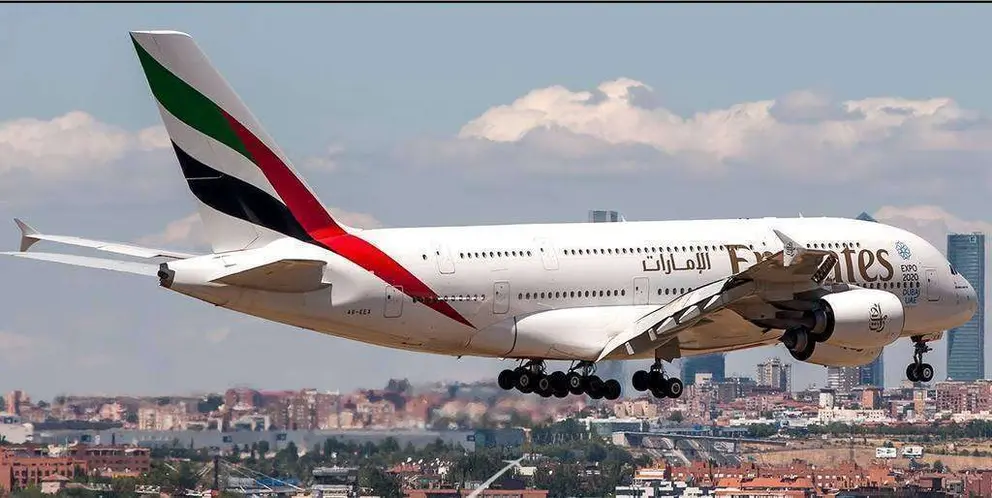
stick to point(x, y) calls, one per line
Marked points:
point(247, 190)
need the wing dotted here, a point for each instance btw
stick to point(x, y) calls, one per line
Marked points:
point(30, 236)
point(716, 305)
point(89, 262)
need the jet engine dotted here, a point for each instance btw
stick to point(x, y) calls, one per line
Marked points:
point(830, 355)
point(859, 318)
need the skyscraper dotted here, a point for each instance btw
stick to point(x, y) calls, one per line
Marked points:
point(603, 216)
point(612, 369)
point(966, 344)
point(775, 374)
point(711, 363)
point(842, 379)
point(873, 374)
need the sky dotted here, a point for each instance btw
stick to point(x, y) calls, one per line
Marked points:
point(413, 115)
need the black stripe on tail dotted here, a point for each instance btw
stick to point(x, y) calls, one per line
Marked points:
point(237, 198)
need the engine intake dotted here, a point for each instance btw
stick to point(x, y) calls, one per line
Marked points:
point(860, 318)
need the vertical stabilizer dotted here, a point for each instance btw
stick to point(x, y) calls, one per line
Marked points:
point(247, 191)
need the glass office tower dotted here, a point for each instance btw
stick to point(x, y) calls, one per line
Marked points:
point(715, 364)
point(966, 344)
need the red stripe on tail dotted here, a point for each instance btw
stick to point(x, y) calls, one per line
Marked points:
point(301, 202)
point(326, 232)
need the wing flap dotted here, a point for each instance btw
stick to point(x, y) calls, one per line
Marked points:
point(30, 236)
point(285, 275)
point(89, 262)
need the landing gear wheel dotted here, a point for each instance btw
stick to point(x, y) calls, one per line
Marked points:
point(911, 373)
point(526, 382)
point(640, 380)
point(656, 379)
point(919, 371)
point(507, 379)
point(612, 388)
point(574, 382)
point(595, 387)
point(559, 382)
point(673, 388)
point(543, 384)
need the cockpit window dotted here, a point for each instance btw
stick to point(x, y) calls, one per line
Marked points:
point(953, 271)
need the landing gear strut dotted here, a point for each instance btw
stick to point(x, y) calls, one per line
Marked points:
point(919, 371)
point(530, 377)
point(657, 382)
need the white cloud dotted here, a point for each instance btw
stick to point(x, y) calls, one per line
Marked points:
point(354, 219)
point(184, 232)
point(73, 144)
point(931, 222)
point(188, 231)
point(328, 162)
point(792, 134)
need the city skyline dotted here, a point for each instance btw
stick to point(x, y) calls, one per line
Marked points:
point(535, 127)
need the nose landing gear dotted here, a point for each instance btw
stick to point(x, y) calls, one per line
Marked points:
point(919, 371)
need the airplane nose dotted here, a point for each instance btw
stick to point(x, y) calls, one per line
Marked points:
point(972, 299)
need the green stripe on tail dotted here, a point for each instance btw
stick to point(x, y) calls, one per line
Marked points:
point(187, 104)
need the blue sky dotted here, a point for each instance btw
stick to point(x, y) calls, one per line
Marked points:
point(375, 105)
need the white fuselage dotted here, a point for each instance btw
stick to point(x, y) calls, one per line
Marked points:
point(598, 277)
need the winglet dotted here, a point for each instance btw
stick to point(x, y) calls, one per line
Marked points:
point(791, 249)
point(28, 233)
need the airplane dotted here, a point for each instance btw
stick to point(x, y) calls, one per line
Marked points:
point(833, 291)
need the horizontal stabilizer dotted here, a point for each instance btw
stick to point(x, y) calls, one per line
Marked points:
point(285, 275)
point(29, 236)
point(89, 262)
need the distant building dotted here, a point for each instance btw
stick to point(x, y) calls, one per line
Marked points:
point(966, 344)
point(842, 379)
point(715, 364)
point(13, 401)
point(603, 216)
point(872, 374)
point(775, 374)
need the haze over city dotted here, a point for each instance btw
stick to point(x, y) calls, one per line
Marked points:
point(472, 114)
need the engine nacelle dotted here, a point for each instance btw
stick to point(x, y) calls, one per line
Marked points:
point(830, 355)
point(860, 318)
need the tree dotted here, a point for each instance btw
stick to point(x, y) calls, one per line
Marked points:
point(676, 416)
point(186, 478)
point(938, 466)
point(382, 484)
point(210, 403)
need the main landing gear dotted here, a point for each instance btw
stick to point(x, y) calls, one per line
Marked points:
point(530, 377)
point(919, 371)
point(657, 382)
